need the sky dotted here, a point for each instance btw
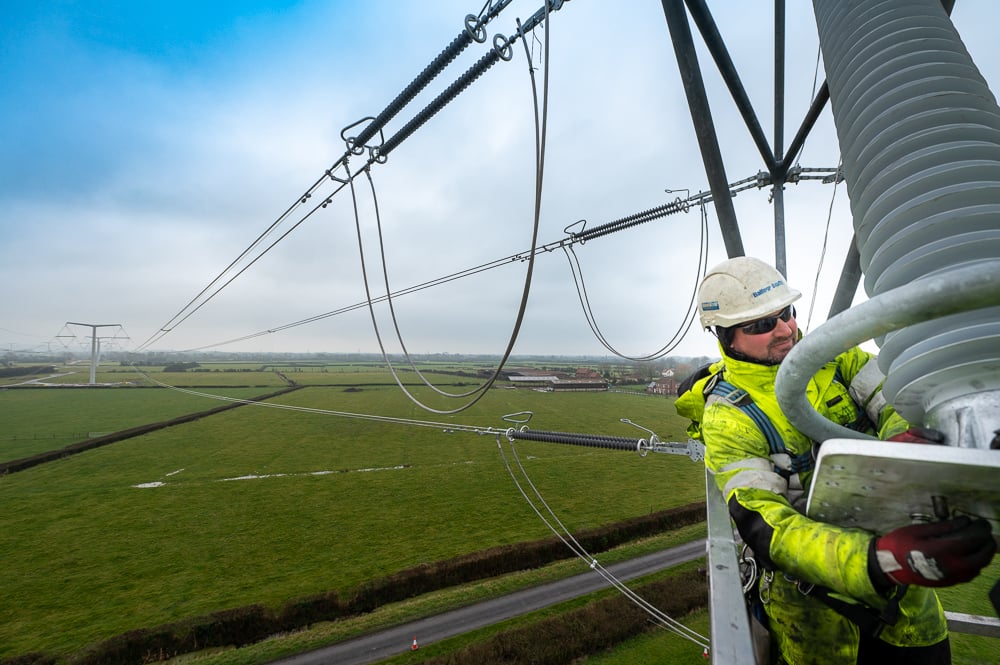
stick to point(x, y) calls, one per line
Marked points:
point(147, 145)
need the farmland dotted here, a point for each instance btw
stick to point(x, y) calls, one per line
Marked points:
point(268, 504)
point(263, 505)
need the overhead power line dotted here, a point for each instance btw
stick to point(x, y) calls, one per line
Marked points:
point(474, 31)
point(573, 237)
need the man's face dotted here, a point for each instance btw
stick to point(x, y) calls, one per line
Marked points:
point(769, 347)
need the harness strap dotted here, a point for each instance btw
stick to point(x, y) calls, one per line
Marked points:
point(739, 398)
point(869, 620)
point(742, 400)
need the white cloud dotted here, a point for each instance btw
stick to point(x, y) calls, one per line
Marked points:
point(164, 170)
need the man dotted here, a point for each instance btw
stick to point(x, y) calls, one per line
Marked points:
point(830, 594)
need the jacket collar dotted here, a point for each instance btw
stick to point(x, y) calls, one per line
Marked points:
point(747, 372)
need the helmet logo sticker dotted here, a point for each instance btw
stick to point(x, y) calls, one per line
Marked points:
point(763, 290)
point(709, 305)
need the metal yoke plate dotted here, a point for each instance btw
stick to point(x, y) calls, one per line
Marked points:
point(882, 485)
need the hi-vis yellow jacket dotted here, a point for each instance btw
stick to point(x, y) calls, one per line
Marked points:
point(766, 490)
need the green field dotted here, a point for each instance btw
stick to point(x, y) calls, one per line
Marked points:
point(39, 419)
point(261, 505)
point(264, 505)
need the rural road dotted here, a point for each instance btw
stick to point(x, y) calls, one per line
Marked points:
point(381, 645)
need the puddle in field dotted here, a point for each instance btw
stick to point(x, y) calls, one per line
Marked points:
point(157, 483)
point(254, 476)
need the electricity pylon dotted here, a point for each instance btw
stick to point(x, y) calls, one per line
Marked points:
point(95, 344)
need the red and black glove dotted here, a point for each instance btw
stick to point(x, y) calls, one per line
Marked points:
point(936, 554)
point(918, 435)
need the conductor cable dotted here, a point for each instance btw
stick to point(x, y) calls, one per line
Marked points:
point(447, 427)
point(392, 311)
point(557, 527)
point(686, 321)
point(701, 198)
point(474, 31)
point(190, 308)
point(540, 134)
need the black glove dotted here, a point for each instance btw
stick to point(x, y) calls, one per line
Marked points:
point(918, 435)
point(936, 554)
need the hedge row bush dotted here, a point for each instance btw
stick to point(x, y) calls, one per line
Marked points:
point(10, 372)
point(235, 627)
point(511, 558)
point(36, 658)
point(245, 625)
point(560, 640)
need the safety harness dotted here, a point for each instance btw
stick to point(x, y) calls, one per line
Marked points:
point(869, 620)
point(741, 399)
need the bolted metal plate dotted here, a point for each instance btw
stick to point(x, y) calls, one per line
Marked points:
point(881, 485)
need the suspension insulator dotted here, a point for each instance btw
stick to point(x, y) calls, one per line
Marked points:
point(919, 132)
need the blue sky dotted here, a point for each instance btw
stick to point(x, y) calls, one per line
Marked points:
point(145, 145)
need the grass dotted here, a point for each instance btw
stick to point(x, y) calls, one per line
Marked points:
point(198, 379)
point(972, 598)
point(36, 420)
point(657, 646)
point(88, 555)
point(329, 633)
point(460, 641)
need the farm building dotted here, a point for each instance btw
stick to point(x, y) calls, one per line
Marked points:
point(662, 386)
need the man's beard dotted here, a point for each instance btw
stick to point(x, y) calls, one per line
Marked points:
point(774, 355)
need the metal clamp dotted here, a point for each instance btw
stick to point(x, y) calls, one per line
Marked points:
point(765, 586)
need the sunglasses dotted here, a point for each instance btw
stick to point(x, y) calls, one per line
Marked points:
point(768, 323)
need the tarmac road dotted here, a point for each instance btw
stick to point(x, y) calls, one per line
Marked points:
point(378, 646)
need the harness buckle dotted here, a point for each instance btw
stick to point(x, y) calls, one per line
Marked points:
point(738, 398)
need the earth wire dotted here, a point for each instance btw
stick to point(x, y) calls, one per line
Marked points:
point(822, 254)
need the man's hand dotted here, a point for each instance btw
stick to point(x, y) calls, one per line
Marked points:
point(937, 554)
point(918, 435)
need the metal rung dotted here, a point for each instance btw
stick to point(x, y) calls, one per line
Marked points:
point(971, 624)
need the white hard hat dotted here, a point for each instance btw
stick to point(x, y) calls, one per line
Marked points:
point(742, 289)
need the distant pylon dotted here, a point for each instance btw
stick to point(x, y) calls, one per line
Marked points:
point(414, 646)
point(95, 345)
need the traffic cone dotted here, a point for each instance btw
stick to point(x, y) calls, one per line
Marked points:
point(414, 646)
